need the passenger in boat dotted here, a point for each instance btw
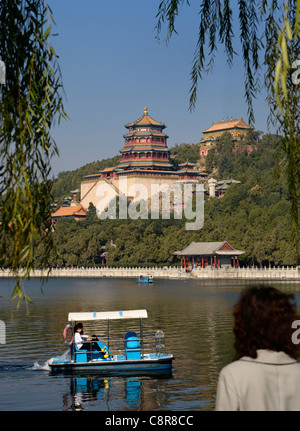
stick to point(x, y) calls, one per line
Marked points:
point(81, 339)
point(265, 374)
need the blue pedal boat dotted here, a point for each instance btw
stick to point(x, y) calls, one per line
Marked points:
point(129, 354)
point(145, 279)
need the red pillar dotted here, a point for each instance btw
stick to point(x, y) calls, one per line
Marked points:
point(233, 261)
point(202, 262)
point(211, 261)
point(184, 262)
point(237, 262)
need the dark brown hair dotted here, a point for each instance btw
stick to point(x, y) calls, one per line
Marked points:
point(78, 326)
point(262, 320)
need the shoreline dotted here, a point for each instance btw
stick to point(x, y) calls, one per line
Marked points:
point(281, 273)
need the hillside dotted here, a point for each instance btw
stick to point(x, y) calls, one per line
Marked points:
point(252, 215)
point(67, 181)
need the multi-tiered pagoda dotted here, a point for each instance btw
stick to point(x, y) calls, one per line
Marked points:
point(145, 160)
point(145, 146)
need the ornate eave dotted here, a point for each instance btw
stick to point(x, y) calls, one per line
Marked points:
point(146, 148)
point(145, 120)
point(139, 134)
point(142, 163)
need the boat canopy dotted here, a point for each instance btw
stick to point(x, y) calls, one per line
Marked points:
point(108, 315)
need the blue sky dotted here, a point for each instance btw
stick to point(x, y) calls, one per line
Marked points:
point(113, 67)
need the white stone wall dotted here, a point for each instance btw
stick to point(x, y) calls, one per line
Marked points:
point(280, 273)
point(137, 187)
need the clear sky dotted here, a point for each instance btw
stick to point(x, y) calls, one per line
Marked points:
point(113, 67)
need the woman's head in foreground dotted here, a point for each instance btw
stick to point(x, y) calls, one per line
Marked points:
point(263, 319)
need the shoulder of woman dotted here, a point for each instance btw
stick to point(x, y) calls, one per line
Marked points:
point(233, 367)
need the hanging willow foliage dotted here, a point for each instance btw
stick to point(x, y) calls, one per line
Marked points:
point(284, 97)
point(269, 37)
point(31, 100)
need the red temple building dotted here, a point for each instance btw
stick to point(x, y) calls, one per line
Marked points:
point(214, 254)
point(237, 128)
point(187, 172)
point(145, 146)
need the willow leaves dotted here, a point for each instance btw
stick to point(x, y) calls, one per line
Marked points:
point(269, 42)
point(30, 101)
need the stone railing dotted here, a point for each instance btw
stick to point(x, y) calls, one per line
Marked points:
point(257, 273)
point(280, 273)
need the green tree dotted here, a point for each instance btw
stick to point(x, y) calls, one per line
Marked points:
point(224, 147)
point(210, 161)
point(91, 216)
point(184, 152)
point(30, 101)
point(269, 34)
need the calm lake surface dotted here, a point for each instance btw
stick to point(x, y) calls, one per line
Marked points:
point(195, 315)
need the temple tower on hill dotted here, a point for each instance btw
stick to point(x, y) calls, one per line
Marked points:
point(145, 146)
point(145, 163)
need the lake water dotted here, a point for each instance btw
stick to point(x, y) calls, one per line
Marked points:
point(195, 315)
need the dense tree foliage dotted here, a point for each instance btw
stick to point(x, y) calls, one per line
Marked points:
point(183, 152)
point(30, 103)
point(253, 215)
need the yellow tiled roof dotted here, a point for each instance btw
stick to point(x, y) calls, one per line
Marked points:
point(144, 120)
point(227, 124)
point(69, 211)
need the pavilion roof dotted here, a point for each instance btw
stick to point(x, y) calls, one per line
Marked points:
point(92, 175)
point(108, 169)
point(224, 184)
point(208, 248)
point(227, 124)
point(149, 163)
point(151, 172)
point(143, 134)
point(70, 211)
point(187, 164)
point(145, 120)
point(145, 148)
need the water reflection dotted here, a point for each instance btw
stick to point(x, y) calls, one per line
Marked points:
point(84, 390)
point(138, 393)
